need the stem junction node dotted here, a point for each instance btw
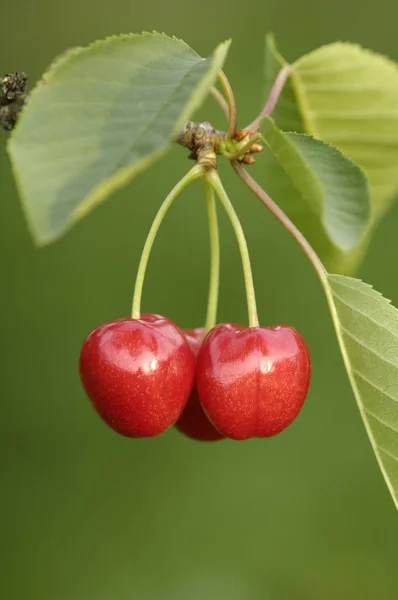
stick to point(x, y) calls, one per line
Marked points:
point(206, 143)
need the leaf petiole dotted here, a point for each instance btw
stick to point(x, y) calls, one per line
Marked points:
point(272, 99)
point(283, 219)
point(232, 112)
point(219, 98)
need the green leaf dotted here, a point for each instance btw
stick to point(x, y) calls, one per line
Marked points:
point(101, 115)
point(348, 97)
point(322, 191)
point(367, 330)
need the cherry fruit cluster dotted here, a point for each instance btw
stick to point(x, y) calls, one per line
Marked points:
point(144, 374)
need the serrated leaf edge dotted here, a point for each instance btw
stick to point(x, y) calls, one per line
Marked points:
point(319, 186)
point(123, 176)
point(71, 53)
point(339, 334)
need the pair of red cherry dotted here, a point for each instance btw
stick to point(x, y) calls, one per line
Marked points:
point(145, 375)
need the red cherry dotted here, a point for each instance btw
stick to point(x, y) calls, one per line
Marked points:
point(193, 421)
point(138, 374)
point(253, 382)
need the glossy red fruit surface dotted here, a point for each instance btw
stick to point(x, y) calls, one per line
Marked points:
point(252, 382)
point(138, 374)
point(193, 421)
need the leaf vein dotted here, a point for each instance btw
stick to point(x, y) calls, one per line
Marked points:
point(380, 420)
point(367, 347)
point(388, 453)
point(361, 312)
point(374, 385)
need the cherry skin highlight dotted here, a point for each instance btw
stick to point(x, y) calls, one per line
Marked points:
point(138, 373)
point(193, 421)
point(252, 382)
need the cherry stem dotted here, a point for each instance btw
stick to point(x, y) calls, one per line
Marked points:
point(283, 219)
point(273, 98)
point(214, 179)
point(195, 173)
point(232, 112)
point(217, 95)
point(212, 303)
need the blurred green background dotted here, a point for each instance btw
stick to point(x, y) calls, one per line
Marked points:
point(86, 514)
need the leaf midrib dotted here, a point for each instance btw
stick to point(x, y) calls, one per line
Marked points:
point(150, 123)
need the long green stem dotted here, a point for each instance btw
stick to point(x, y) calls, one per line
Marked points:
point(214, 179)
point(233, 114)
point(194, 173)
point(212, 303)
